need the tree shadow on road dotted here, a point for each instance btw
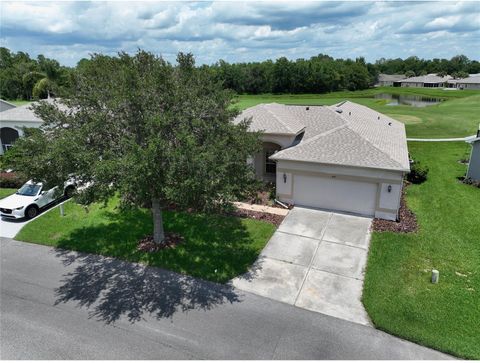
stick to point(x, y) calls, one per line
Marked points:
point(111, 289)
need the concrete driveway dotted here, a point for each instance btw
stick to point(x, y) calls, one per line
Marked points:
point(10, 227)
point(315, 260)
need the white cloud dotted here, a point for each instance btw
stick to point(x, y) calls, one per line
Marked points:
point(242, 31)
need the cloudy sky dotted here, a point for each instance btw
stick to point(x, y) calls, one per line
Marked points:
point(243, 31)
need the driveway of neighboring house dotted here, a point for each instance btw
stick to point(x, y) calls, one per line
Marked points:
point(315, 260)
point(10, 227)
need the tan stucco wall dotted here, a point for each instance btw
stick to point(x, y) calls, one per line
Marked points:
point(468, 85)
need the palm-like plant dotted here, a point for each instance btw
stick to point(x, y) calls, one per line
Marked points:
point(44, 82)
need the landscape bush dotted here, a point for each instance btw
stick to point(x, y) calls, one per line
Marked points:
point(418, 173)
point(470, 181)
point(10, 180)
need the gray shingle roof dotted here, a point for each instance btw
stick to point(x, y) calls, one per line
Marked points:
point(5, 105)
point(473, 78)
point(25, 113)
point(390, 77)
point(358, 136)
point(429, 78)
point(272, 118)
point(21, 113)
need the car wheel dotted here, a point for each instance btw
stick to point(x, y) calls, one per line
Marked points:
point(69, 192)
point(31, 212)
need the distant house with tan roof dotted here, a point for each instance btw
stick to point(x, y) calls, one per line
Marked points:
point(390, 80)
point(471, 82)
point(345, 157)
point(430, 81)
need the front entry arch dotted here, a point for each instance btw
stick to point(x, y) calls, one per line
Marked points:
point(265, 169)
point(8, 137)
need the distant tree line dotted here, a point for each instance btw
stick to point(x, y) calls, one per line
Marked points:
point(22, 77)
point(457, 66)
point(318, 74)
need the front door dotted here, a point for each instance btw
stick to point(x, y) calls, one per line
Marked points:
point(270, 165)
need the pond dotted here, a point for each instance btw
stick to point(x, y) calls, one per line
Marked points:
point(409, 100)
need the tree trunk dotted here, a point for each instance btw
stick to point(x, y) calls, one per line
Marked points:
point(158, 232)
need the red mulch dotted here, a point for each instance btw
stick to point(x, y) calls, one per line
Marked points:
point(147, 244)
point(266, 217)
point(407, 222)
point(6, 175)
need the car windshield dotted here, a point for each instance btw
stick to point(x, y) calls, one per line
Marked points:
point(29, 190)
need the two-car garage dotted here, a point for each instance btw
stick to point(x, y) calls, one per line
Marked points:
point(369, 192)
point(335, 194)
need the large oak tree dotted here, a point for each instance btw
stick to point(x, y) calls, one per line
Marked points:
point(151, 132)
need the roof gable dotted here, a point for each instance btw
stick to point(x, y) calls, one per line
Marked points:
point(272, 118)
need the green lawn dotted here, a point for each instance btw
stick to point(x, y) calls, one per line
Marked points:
point(455, 117)
point(398, 294)
point(19, 102)
point(216, 248)
point(5, 192)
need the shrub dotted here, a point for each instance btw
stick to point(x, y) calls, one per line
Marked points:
point(470, 181)
point(10, 180)
point(418, 173)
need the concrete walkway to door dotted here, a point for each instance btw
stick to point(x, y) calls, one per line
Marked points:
point(315, 260)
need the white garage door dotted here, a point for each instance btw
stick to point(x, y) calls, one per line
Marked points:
point(336, 194)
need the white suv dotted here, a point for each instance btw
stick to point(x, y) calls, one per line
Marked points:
point(31, 198)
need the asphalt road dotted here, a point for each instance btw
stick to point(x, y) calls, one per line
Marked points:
point(57, 304)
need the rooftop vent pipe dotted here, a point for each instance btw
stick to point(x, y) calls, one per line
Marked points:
point(307, 108)
point(339, 110)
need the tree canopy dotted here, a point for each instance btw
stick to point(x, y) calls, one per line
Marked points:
point(26, 78)
point(22, 77)
point(153, 133)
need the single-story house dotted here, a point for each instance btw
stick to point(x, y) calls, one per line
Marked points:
point(471, 82)
point(473, 171)
point(12, 123)
point(345, 157)
point(390, 80)
point(5, 105)
point(429, 80)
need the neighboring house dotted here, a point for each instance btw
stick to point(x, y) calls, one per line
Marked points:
point(389, 80)
point(345, 157)
point(13, 121)
point(471, 82)
point(4, 105)
point(429, 81)
point(473, 171)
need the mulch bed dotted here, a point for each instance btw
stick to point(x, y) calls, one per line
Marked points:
point(263, 198)
point(407, 222)
point(261, 216)
point(147, 244)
